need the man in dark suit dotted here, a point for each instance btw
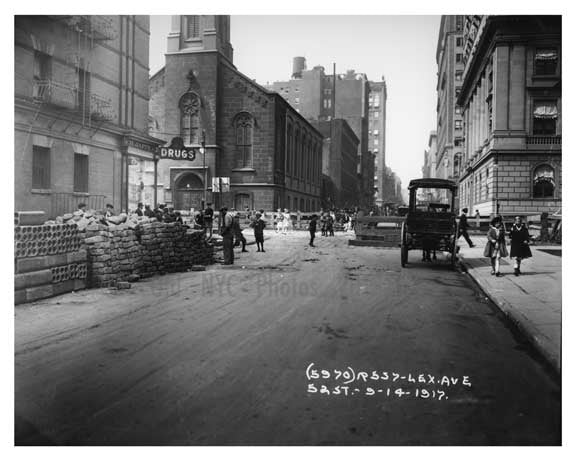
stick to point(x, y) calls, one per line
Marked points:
point(463, 228)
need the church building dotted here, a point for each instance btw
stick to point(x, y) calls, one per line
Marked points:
point(229, 141)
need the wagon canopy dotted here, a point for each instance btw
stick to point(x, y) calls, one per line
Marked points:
point(432, 183)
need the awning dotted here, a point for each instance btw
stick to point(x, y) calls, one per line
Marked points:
point(545, 110)
point(548, 55)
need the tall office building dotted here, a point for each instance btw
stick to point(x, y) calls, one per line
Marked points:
point(450, 135)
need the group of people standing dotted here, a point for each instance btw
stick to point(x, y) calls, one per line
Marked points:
point(231, 232)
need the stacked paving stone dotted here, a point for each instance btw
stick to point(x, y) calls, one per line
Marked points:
point(122, 254)
point(49, 260)
point(114, 254)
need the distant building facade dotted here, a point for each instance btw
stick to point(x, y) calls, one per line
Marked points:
point(512, 102)
point(319, 96)
point(377, 135)
point(81, 104)
point(430, 155)
point(342, 184)
point(270, 153)
point(450, 134)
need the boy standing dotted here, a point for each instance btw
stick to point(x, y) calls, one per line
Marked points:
point(259, 225)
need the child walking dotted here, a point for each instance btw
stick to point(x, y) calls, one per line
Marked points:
point(519, 243)
point(496, 245)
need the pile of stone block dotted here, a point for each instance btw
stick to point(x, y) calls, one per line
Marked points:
point(125, 254)
point(48, 260)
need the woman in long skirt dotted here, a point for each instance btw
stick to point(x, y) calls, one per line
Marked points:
point(496, 245)
point(519, 243)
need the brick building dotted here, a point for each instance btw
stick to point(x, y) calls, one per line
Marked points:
point(450, 135)
point(320, 96)
point(81, 103)
point(512, 103)
point(271, 154)
point(342, 185)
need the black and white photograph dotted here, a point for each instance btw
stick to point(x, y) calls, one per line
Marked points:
point(291, 229)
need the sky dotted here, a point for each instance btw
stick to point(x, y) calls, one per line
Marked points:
point(400, 48)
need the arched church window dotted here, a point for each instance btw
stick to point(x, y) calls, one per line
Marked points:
point(244, 125)
point(190, 118)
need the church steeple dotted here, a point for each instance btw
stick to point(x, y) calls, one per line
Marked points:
point(191, 34)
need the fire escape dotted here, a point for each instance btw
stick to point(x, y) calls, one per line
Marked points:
point(72, 91)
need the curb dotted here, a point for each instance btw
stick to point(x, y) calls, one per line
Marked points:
point(525, 328)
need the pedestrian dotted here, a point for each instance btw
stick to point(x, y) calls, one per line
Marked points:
point(140, 210)
point(287, 222)
point(207, 218)
point(323, 224)
point(148, 212)
point(237, 230)
point(178, 217)
point(258, 225)
point(312, 229)
point(463, 228)
point(496, 245)
point(519, 243)
point(330, 225)
point(109, 210)
point(81, 209)
point(227, 233)
point(279, 220)
point(477, 218)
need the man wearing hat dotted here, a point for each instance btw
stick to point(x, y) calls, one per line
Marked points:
point(227, 233)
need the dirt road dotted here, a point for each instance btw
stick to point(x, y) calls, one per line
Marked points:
point(229, 357)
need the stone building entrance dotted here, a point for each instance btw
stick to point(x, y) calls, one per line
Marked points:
point(188, 192)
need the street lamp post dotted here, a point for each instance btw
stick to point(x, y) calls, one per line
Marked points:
point(203, 152)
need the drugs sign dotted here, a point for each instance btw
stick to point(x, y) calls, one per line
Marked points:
point(177, 151)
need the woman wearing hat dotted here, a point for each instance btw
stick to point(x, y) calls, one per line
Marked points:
point(496, 245)
point(519, 243)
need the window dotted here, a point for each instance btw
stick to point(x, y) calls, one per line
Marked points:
point(42, 66)
point(459, 22)
point(296, 100)
point(376, 114)
point(190, 118)
point(192, 26)
point(458, 91)
point(376, 150)
point(543, 185)
point(244, 124)
point(458, 76)
point(80, 173)
point(40, 167)
point(458, 57)
point(327, 91)
point(327, 103)
point(458, 124)
point(544, 118)
point(376, 132)
point(376, 101)
point(545, 62)
point(458, 41)
point(376, 141)
point(457, 143)
point(458, 110)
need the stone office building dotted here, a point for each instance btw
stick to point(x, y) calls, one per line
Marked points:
point(233, 127)
point(81, 103)
point(512, 101)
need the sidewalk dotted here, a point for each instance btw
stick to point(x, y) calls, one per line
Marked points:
point(533, 300)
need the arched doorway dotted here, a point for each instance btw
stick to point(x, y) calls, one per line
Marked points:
point(188, 192)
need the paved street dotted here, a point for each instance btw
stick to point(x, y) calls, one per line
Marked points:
point(295, 346)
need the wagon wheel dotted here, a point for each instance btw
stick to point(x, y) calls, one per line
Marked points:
point(404, 246)
point(454, 249)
